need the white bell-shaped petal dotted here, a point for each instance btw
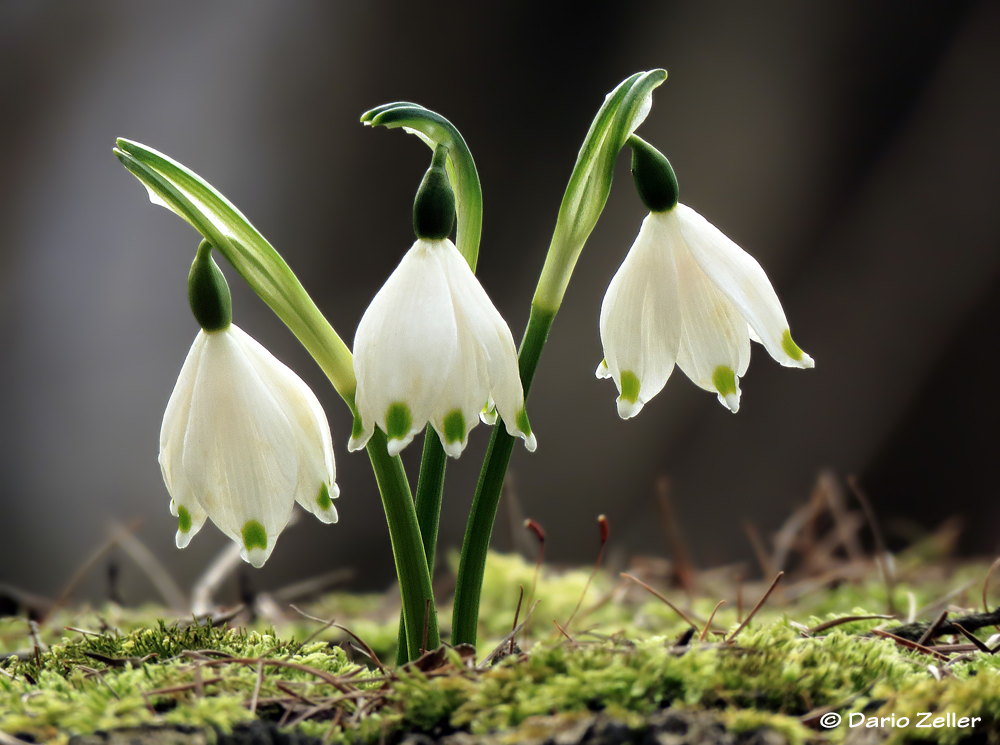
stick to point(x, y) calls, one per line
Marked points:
point(432, 348)
point(740, 278)
point(688, 295)
point(243, 439)
point(640, 324)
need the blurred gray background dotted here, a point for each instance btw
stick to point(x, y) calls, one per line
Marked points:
point(852, 147)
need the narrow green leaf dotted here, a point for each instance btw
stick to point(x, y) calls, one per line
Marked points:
point(433, 129)
point(174, 186)
point(590, 183)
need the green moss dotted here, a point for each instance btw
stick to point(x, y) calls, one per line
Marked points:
point(630, 672)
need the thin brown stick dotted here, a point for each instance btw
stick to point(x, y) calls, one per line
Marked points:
point(682, 561)
point(539, 532)
point(506, 639)
point(517, 612)
point(602, 522)
point(932, 629)
point(154, 570)
point(968, 635)
point(563, 631)
point(183, 687)
point(317, 632)
point(199, 684)
point(760, 551)
point(882, 556)
point(757, 607)
point(256, 688)
point(91, 561)
point(670, 605)
point(842, 620)
point(908, 644)
point(704, 631)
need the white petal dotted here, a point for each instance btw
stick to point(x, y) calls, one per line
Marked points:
point(405, 344)
point(738, 276)
point(640, 330)
point(317, 468)
point(715, 343)
point(190, 519)
point(493, 347)
point(489, 413)
point(239, 452)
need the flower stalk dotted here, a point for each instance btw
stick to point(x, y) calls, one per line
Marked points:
point(623, 110)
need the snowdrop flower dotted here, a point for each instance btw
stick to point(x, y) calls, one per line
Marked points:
point(243, 438)
point(686, 295)
point(431, 347)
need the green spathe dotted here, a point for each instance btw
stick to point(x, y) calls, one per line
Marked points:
point(434, 205)
point(208, 292)
point(654, 177)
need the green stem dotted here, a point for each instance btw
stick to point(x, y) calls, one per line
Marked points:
point(407, 546)
point(465, 617)
point(430, 490)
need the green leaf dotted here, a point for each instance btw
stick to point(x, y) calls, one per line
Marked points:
point(590, 183)
point(433, 129)
point(179, 189)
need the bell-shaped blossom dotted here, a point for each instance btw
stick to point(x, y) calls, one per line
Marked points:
point(432, 348)
point(688, 295)
point(243, 439)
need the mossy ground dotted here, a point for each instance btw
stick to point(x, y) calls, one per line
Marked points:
point(136, 669)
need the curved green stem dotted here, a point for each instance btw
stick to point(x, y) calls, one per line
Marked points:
point(430, 491)
point(465, 616)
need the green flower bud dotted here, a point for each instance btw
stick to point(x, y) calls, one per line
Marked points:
point(208, 292)
point(434, 206)
point(654, 178)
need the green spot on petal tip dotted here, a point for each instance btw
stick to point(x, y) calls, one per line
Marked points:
point(398, 421)
point(724, 380)
point(323, 498)
point(522, 421)
point(254, 536)
point(790, 347)
point(630, 386)
point(454, 426)
point(183, 520)
point(357, 428)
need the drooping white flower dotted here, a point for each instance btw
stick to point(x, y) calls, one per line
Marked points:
point(688, 295)
point(243, 438)
point(685, 295)
point(431, 347)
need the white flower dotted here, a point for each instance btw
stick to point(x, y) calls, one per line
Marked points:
point(687, 294)
point(431, 347)
point(243, 439)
